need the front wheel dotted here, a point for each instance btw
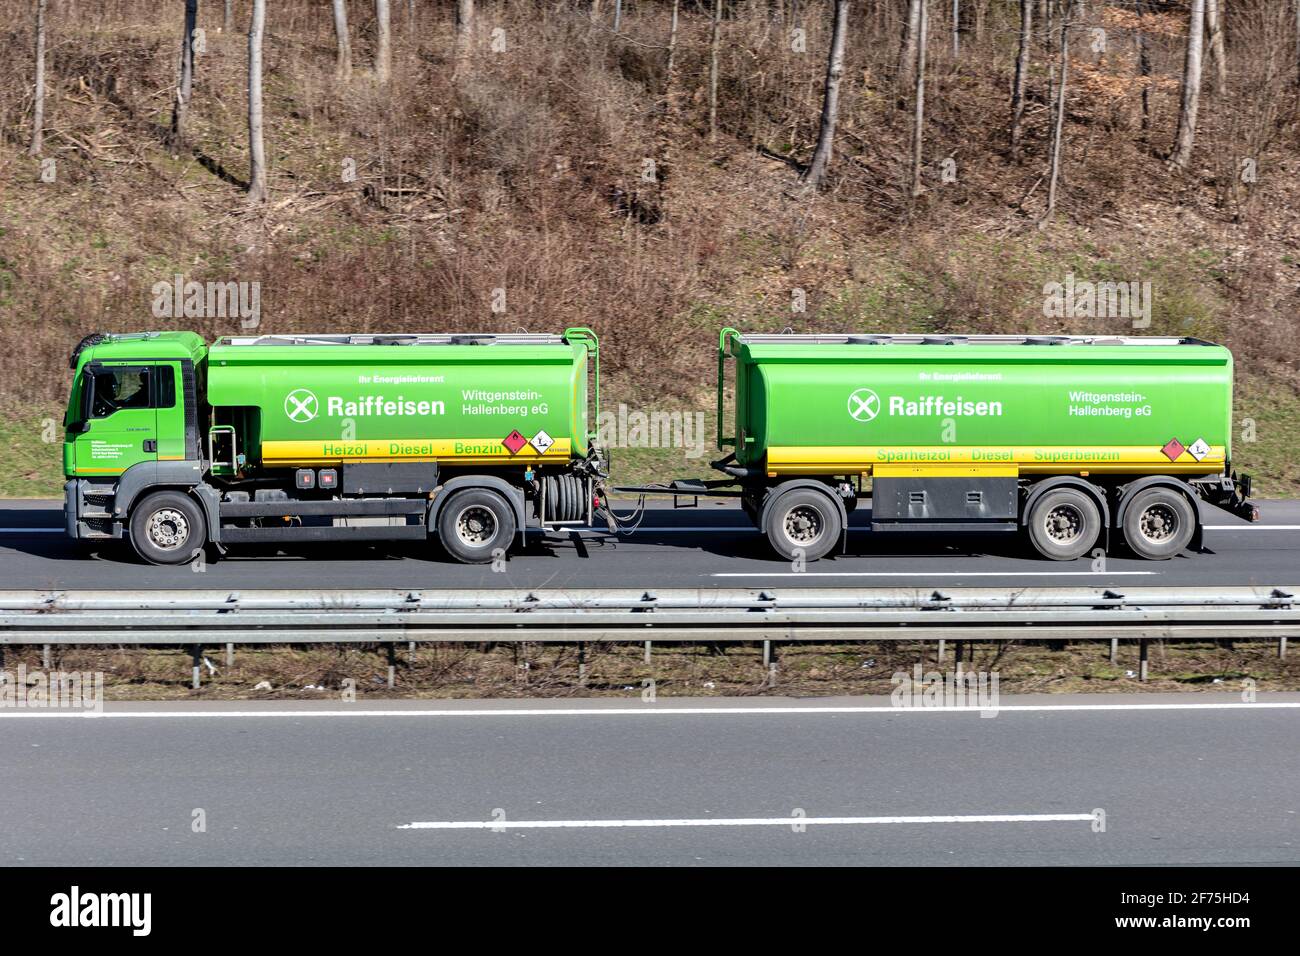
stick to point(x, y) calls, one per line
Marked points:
point(168, 527)
point(803, 523)
point(476, 523)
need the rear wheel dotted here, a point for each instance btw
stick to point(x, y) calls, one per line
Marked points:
point(1064, 524)
point(1159, 523)
point(474, 523)
point(167, 527)
point(803, 522)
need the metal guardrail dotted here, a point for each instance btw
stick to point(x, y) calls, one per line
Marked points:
point(199, 617)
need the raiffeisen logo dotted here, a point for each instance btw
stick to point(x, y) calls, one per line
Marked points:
point(864, 405)
point(301, 405)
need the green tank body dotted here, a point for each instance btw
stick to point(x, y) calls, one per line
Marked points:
point(318, 400)
point(978, 405)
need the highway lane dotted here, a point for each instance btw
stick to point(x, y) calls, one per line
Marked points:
point(705, 546)
point(295, 783)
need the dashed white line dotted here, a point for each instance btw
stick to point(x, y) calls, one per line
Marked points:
point(927, 574)
point(790, 821)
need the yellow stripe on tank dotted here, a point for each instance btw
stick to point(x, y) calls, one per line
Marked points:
point(462, 451)
point(986, 460)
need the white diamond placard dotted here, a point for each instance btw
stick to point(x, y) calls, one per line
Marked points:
point(1198, 449)
point(541, 441)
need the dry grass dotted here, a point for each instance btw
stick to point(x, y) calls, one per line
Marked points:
point(524, 171)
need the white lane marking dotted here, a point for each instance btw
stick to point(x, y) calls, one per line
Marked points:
point(30, 530)
point(631, 711)
point(743, 821)
point(1251, 527)
point(924, 574)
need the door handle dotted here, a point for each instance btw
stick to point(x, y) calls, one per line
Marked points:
point(151, 444)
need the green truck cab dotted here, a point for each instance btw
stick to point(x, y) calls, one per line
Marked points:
point(173, 444)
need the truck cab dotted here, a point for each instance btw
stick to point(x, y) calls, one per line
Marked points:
point(132, 423)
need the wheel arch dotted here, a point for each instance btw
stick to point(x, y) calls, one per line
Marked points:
point(514, 496)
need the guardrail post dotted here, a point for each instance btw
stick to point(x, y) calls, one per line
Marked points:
point(45, 657)
point(957, 648)
point(230, 654)
point(942, 645)
point(196, 665)
point(411, 654)
point(647, 652)
point(392, 665)
point(1114, 650)
point(1142, 660)
point(1281, 647)
point(582, 663)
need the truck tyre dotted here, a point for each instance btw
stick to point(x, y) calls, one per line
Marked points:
point(803, 522)
point(1159, 523)
point(474, 523)
point(167, 527)
point(1064, 524)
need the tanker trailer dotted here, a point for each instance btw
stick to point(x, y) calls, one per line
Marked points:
point(1070, 440)
point(173, 444)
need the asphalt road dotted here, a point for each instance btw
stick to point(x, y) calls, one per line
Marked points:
point(294, 783)
point(710, 545)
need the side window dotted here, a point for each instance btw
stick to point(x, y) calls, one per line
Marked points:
point(164, 386)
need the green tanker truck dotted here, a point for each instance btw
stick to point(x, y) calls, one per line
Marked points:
point(1069, 439)
point(173, 444)
point(1074, 441)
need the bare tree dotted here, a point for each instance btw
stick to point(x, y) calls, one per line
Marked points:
point(227, 21)
point(185, 73)
point(1144, 67)
point(672, 47)
point(465, 27)
point(343, 64)
point(1214, 37)
point(715, 39)
point(383, 42)
point(618, 15)
point(256, 147)
point(1058, 126)
point(907, 54)
point(1185, 138)
point(38, 95)
point(956, 28)
point(815, 174)
point(918, 98)
point(1022, 74)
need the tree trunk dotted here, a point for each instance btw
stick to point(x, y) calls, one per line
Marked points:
point(1185, 139)
point(343, 63)
point(1058, 127)
point(1214, 37)
point(918, 98)
point(618, 14)
point(672, 50)
point(715, 39)
point(907, 55)
point(815, 175)
point(465, 28)
point(383, 42)
point(1144, 67)
point(38, 95)
point(256, 147)
point(1022, 74)
point(185, 73)
point(227, 22)
point(956, 28)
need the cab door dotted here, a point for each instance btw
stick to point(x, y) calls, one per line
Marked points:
point(121, 421)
